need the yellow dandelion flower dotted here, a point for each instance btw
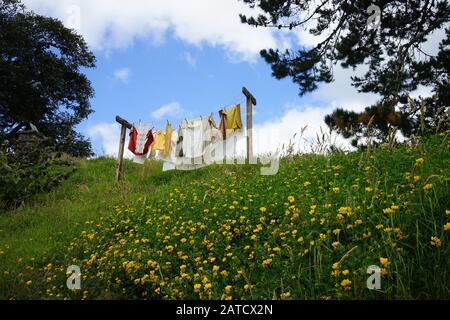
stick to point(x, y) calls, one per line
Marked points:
point(384, 261)
point(208, 286)
point(435, 241)
point(428, 186)
point(420, 161)
point(336, 231)
point(291, 199)
point(285, 295)
point(447, 226)
point(267, 262)
point(248, 287)
point(388, 211)
point(197, 287)
point(263, 209)
point(346, 283)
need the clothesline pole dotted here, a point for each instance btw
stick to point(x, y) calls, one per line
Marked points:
point(124, 126)
point(251, 101)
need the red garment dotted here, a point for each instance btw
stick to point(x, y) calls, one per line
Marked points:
point(133, 139)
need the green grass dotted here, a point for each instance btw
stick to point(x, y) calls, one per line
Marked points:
point(161, 235)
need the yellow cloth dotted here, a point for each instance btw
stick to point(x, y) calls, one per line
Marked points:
point(160, 141)
point(234, 120)
point(168, 139)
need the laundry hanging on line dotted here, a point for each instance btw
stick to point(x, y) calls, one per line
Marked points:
point(141, 137)
point(196, 143)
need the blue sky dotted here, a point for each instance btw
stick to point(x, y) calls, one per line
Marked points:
point(164, 60)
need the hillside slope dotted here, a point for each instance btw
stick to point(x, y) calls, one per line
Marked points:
point(222, 232)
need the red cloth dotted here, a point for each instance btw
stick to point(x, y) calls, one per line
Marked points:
point(133, 139)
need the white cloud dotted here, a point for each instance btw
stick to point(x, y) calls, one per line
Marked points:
point(108, 134)
point(270, 136)
point(172, 109)
point(108, 25)
point(189, 59)
point(122, 75)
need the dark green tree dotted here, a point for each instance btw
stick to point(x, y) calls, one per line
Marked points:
point(41, 79)
point(396, 61)
point(391, 51)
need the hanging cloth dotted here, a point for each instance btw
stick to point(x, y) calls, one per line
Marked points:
point(159, 142)
point(139, 144)
point(230, 119)
point(168, 140)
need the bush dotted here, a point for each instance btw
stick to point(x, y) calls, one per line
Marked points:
point(31, 168)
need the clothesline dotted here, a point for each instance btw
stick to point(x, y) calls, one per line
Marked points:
point(192, 139)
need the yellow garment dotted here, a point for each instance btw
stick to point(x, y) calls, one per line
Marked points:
point(168, 140)
point(234, 120)
point(160, 141)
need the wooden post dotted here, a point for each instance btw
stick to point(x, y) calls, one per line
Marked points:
point(251, 101)
point(124, 126)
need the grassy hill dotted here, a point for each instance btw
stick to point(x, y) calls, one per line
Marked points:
point(226, 232)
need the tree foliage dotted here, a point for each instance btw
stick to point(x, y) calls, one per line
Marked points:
point(397, 63)
point(41, 79)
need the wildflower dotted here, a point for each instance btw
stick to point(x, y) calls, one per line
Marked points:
point(435, 241)
point(197, 287)
point(335, 244)
point(379, 226)
point(335, 266)
point(306, 184)
point(322, 236)
point(346, 283)
point(336, 190)
point(285, 295)
point(228, 289)
point(428, 186)
point(447, 212)
point(208, 286)
point(300, 240)
point(263, 209)
point(336, 231)
point(384, 261)
point(345, 211)
point(388, 211)
point(169, 249)
point(447, 226)
point(369, 189)
point(416, 178)
point(267, 262)
point(419, 161)
point(29, 282)
point(291, 199)
point(216, 268)
point(248, 287)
